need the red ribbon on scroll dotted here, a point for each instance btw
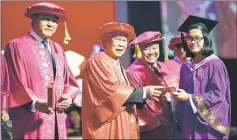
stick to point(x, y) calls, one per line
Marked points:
point(51, 98)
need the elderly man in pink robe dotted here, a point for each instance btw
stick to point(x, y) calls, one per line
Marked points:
point(156, 119)
point(175, 64)
point(34, 61)
point(4, 88)
point(4, 95)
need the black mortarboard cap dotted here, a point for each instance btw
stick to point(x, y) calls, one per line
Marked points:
point(191, 20)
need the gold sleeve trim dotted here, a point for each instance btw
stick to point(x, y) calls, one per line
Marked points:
point(208, 115)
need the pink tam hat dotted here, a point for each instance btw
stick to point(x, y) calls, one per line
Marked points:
point(146, 37)
point(46, 8)
point(174, 41)
point(117, 27)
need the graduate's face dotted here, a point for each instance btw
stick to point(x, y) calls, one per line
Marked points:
point(45, 25)
point(116, 44)
point(150, 53)
point(195, 40)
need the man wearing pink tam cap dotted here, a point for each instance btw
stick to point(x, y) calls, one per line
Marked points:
point(180, 57)
point(34, 61)
point(156, 119)
point(4, 88)
point(109, 101)
point(4, 97)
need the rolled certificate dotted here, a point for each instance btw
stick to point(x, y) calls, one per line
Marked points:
point(51, 98)
point(167, 89)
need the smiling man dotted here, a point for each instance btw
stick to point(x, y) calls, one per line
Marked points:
point(156, 119)
point(34, 61)
point(108, 100)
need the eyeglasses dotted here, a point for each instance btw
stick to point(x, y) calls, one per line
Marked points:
point(197, 39)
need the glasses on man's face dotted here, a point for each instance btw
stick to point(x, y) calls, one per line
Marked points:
point(197, 39)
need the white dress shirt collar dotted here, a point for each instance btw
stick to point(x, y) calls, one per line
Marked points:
point(38, 38)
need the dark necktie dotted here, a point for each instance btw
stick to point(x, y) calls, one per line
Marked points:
point(154, 68)
point(169, 104)
point(52, 62)
point(51, 59)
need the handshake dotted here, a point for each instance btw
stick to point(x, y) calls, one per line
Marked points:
point(164, 93)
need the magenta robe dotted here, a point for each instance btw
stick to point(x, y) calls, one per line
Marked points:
point(208, 82)
point(29, 74)
point(174, 65)
point(4, 83)
point(153, 114)
point(4, 86)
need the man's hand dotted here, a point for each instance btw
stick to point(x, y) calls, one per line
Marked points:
point(42, 106)
point(166, 97)
point(5, 116)
point(64, 102)
point(180, 95)
point(154, 92)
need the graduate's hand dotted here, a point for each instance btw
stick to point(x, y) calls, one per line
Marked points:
point(180, 95)
point(154, 92)
point(42, 106)
point(64, 102)
point(5, 116)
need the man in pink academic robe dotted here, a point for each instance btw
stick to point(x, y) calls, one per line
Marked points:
point(4, 94)
point(175, 64)
point(156, 119)
point(4, 88)
point(34, 61)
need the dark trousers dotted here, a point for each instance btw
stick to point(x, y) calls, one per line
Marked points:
point(158, 133)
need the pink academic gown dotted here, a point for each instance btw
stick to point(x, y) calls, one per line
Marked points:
point(4, 83)
point(174, 65)
point(153, 114)
point(4, 86)
point(29, 73)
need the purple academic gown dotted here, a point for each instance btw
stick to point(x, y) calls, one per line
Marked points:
point(209, 85)
point(29, 72)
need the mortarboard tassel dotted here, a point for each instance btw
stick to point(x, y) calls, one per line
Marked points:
point(138, 52)
point(183, 42)
point(166, 58)
point(67, 37)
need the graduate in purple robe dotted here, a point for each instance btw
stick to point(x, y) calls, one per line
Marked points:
point(203, 108)
point(33, 61)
